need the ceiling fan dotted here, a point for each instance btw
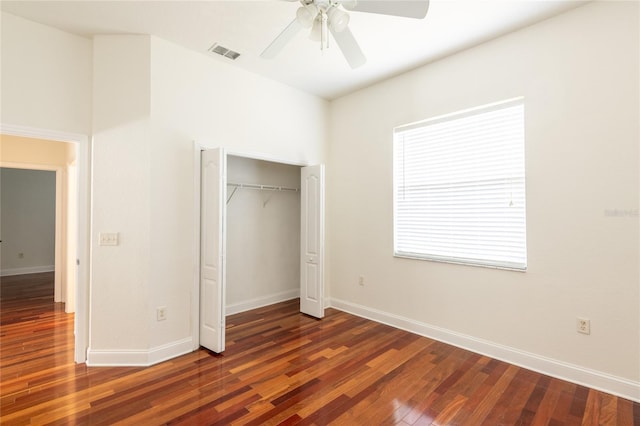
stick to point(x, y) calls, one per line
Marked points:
point(324, 16)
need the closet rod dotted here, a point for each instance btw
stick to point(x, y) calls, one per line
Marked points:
point(259, 187)
point(262, 187)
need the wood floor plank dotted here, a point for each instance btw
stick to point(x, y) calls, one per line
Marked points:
point(544, 412)
point(492, 392)
point(280, 368)
point(625, 412)
point(592, 409)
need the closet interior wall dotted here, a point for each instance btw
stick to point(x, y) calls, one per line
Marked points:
point(263, 234)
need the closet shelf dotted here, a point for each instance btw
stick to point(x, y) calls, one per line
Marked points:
point(258, 187)
point(263, 187)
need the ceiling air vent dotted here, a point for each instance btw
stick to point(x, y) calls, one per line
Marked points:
point(223, 51)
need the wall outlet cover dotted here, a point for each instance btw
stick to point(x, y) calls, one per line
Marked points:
point(583, 325)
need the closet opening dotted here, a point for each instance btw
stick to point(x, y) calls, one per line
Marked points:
point(261, 228)
point(262, 233)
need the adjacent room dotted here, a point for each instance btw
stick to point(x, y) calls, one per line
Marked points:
point(320, 212)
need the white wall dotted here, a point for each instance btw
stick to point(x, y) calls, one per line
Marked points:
point(199, 98)
point(579, 74)
point(121, 283)
point(152, 100)
point(46, 77)
point(263, 234)
point(28, 218)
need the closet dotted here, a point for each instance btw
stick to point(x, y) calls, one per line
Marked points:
point(261, 238)
point(263, 233)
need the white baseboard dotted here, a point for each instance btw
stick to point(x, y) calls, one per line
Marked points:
point(145, 358)
point(259, 302)
point(573, 373)
point(170, 350)
point(138, 358)
point(27, 270)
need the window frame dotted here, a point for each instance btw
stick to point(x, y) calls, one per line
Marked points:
point(495, 264)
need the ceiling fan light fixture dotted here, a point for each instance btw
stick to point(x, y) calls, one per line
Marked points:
point(349, 4)
point(306, 15)
point(338, 19)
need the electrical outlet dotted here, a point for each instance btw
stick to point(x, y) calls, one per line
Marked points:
point(583, 326)
point(361, 281)
point(161, 313)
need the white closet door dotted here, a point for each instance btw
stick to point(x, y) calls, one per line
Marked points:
point(312, 241)
point(212, 249)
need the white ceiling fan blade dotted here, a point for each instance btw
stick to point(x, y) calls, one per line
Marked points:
point(281, 41)
point(349, 47)
point(407, 8)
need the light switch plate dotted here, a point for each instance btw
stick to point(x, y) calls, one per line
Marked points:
point(109, 238)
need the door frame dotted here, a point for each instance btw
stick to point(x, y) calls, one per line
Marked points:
point(83, 275)
point(199, 146)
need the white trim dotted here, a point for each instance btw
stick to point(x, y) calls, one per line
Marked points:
point(138, 358)
point(30, 166)
point(265, 157)
point(259, 302)
point(562, 370)
point(26, 270)
point(60, 243)
point(170, 350)
point(37, 133)
point(82, 142)
point(195, 288)
point(493, 106)
point(122, 358)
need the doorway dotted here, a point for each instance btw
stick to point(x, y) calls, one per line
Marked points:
point(72, 181)
point(286, 256)
point(30, 228)
point(38, 221)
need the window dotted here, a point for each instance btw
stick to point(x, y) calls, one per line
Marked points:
point(459, 187)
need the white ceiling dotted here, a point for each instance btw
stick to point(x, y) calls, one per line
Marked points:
point(392, 44)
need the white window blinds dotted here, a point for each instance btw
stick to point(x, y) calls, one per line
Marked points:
point(459, 187)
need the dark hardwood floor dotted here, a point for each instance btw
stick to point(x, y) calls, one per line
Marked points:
point(280, 367)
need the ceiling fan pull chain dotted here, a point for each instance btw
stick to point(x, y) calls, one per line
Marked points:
point(324, 43)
